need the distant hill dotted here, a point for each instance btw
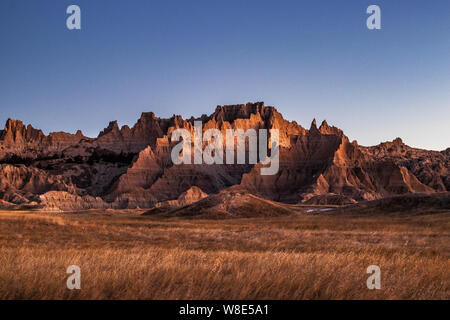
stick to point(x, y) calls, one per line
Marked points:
point(229, 203)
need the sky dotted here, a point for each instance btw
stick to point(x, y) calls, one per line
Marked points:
point(309, 59)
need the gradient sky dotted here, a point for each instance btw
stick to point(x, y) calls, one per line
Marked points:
point(307, 58)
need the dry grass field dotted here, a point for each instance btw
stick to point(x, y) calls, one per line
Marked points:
point(302, 256)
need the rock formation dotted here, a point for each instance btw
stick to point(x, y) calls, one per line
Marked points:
point(132, 168)
point(192, 195)
point(232, 202)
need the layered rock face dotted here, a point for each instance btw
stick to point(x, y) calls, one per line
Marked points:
point(192, 195)
point(132, 168)
point(21, 184)
point(18, 140)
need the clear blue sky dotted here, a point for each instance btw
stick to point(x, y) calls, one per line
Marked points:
point(307, 58)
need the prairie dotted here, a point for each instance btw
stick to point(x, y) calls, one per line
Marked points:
point(125, 255)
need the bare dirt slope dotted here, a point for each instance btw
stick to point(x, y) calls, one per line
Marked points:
point(229, 203)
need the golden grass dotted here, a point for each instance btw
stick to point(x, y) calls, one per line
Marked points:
point(126, 256)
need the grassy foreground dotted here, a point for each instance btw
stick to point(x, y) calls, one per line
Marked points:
point(127, 256)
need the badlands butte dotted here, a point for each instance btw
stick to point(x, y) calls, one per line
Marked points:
point(129, 168)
